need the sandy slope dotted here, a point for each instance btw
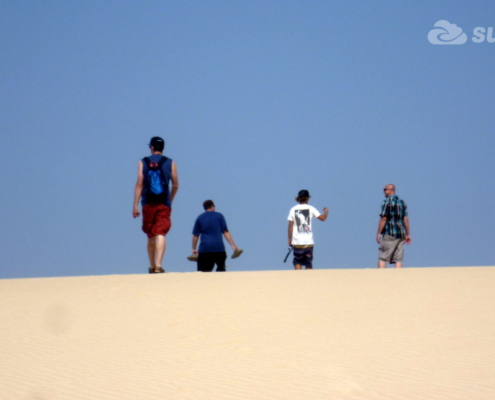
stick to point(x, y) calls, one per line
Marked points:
point(426, 333)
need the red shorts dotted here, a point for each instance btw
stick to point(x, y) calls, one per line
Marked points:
point(156, 219)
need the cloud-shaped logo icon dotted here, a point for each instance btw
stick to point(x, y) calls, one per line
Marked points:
point(446, 33)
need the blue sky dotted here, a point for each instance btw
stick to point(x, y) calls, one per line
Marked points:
point(255, 100)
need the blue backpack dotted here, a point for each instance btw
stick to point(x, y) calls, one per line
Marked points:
point(157, 189)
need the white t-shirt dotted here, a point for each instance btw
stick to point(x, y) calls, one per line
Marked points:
point(302, 214)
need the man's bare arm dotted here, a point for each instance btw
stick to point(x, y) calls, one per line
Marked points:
point(381, 225)
point(408, 232)
point(291, 227)
point(228, 236)
point(137, 191)
point(175, 181)
point(194, 244)
point(323, 216)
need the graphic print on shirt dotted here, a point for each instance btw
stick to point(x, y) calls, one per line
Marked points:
point(303, 221)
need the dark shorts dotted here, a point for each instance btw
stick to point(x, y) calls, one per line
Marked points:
point(206, 261)
point(156, 219)
point(303, 256)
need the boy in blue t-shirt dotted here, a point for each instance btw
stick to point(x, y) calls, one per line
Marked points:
point(211, 226)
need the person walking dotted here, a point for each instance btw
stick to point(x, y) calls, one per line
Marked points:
point(393, 229)
point(153, 188)
point(300, 230)
point(210, 226)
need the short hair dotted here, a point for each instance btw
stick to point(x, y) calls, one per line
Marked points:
point(302, 199)
point(208, 204)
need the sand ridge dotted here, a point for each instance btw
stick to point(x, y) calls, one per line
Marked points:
point(415, 333)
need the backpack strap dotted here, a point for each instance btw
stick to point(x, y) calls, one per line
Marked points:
point(161, 162)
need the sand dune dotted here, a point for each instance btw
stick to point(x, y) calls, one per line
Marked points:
point(425, 333)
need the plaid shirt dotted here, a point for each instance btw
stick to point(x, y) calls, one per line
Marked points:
point(395, 210)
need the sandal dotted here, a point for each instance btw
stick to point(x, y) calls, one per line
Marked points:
point(237, 253)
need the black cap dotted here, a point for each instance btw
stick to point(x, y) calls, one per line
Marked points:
point(303, 193)
point(157, 141)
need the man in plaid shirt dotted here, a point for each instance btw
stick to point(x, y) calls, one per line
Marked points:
point(393, 229)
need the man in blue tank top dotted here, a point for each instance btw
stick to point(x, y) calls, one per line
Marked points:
point(211, 226)
point(153, 188)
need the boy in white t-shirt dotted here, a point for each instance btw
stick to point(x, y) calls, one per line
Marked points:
point(300, 231)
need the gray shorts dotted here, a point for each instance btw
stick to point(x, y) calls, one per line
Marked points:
point(391, 249)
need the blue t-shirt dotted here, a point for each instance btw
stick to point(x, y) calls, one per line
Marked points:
point(210, 226)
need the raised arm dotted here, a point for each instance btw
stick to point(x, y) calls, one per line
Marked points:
point(323, 217)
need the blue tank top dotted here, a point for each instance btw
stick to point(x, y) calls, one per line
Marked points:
point(167, 173)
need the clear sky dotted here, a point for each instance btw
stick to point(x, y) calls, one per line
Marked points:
point(255, 100)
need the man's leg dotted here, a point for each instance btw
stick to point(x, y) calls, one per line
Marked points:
point(148, 218)
point(399, 254)
point(160, 246)
point(308, 255)
point(156, 224)
point(220, 261)
point(156, 250)
point(151, 252)
point(388, 244)
point(206, 262)
point(298, 258)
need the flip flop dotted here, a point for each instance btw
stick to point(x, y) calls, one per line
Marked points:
point(158, 270)
point(237, 253)
point(192, 257)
